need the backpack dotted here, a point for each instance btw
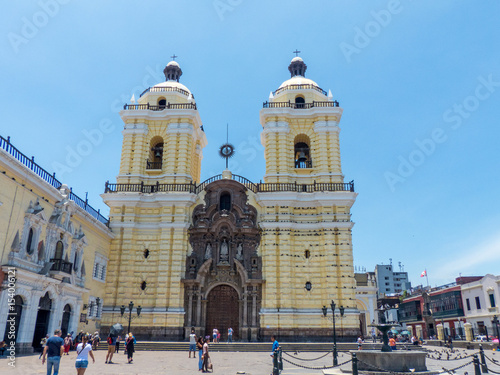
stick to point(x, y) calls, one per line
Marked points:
point(110, 340)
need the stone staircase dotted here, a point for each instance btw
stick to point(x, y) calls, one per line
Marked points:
point(245, 346)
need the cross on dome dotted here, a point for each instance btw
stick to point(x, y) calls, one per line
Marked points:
point(174, 57)
point(296, 52)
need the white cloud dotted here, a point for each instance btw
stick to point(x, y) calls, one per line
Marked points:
point(478, 260)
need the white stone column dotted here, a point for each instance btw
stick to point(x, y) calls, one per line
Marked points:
point(190, 308)
point(28, 319)
point(55, 318)
point(3, 312)
point(75, 318)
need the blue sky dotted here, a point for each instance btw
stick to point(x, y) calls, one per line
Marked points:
point(419, 82)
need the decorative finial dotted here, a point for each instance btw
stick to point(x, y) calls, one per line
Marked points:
point(296, 52)
point(174, 57)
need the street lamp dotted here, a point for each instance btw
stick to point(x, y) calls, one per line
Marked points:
point(325, 311)
point(495, 325)
point(130, 307)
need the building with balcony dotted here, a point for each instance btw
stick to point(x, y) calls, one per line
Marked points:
point(425, 308)
point(50, 240)
point(481, 299)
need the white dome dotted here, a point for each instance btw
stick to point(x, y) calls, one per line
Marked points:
point(173, 84)
point(298, 80)
point(173, 63)
point(297, 58)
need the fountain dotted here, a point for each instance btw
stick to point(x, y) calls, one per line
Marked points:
point(385, 360)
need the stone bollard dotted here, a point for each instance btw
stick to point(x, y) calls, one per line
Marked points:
point(468, 332)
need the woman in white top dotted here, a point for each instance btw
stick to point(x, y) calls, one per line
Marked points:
point(83, 350)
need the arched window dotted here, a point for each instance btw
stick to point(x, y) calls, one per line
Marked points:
point(225, 202)
point(155, 154)
point(299, 102)
point(59, 250)
point(302, 155)
point(162, 103)
point(29, 243)
point(75, 261)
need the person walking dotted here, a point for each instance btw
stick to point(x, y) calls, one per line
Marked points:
point(117, 345)
point(83, 350)
point(96, 339)
point(276, 345)
point(111, 347)
point(360, 343)
point(205, 356)
point(2, 348)
point(214, 335)
point(392, 343)
point(53, 351)
point(192, 343)
point(43, 342)
point(199, 346)
point(130, 347)
point(229, 335)
point(67, 343)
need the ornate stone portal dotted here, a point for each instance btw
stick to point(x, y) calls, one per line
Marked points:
point(224, 273)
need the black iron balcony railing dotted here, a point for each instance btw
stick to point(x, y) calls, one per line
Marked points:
point(49, 178)
point(300, 87)
point(153, 164)
point(61, 265)
point(289, 104)
point(303, 164)
point(166, 89)
point(255, 187)
point(148, 107)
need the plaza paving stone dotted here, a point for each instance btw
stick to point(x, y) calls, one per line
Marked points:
point(225, 363)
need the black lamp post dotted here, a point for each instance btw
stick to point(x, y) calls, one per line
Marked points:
point(495, 325)
point(130, 307)
point(325, 311)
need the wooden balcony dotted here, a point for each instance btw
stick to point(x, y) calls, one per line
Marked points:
point(62, 266)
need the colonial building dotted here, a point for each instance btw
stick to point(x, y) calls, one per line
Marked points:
point(366, 301)
point(481, 299)
point(261, 258)
point(54, 254)
point(436, 311)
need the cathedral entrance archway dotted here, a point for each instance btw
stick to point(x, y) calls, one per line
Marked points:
point(223, 311)
point(42, 320)
point(223, 276)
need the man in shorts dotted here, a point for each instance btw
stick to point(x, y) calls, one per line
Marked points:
point(111, 348)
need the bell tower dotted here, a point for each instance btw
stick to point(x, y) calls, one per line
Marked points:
point(150, 207)
point(163, 135)
point(305, 219)
point(301, 132)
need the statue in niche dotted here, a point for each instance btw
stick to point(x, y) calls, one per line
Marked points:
point(239, 252)
point(224, 251)
point(208, 251)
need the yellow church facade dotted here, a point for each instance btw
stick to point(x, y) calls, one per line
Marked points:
point(261, 258)
point(54, 254)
